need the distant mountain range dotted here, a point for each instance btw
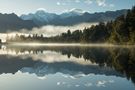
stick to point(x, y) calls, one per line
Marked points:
point(74, 16)
point(13, 22)
point(41, 17)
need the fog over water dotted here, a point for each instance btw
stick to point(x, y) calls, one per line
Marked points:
point(98, 45)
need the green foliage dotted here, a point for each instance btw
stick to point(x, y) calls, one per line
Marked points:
point(124, 28)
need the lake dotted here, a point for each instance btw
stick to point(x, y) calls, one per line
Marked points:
point(66, 68)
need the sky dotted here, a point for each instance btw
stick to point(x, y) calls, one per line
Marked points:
point(58, 6)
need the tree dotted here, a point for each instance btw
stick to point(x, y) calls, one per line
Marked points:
point(0, 41)
point(69, 33)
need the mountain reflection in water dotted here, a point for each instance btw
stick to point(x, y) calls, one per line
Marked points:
point(72, 61)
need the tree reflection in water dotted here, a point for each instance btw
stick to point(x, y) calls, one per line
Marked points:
point(120, 60)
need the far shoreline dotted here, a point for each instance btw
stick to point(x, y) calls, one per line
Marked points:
point(37, 44)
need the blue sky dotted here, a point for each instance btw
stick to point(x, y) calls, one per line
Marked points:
point(58, 6)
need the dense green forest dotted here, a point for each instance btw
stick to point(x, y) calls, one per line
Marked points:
point(119, 31)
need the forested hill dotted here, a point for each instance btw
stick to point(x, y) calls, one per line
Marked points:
point(119, 31)
point(123, 28)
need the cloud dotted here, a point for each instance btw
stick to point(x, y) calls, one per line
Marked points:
point(47, 57)
point(101, 2)
point(77, 85)
point(58, 83)
point(42, 78)
point(58, 3)
point(78, 1)
point(88, 1)
point(101, 83)
point(61, 83)
point(88, 84)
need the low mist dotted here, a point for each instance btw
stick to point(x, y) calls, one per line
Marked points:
point(48, 30)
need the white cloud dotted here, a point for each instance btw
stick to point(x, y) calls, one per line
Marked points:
point(61, 83)
point(88, 1)
point(101, 3)
point(77, 85)
point(42, 78)
point(88, 84)
point(58, 3)
point(58, 83)
point(101, 83)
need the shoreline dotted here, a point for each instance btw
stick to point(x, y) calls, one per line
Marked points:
point(70, 45)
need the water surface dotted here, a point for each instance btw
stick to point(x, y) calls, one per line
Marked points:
point(67, 68)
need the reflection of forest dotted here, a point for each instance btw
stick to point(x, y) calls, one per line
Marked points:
point(121, 59)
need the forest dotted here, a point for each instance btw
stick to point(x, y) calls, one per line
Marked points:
point(119, 31)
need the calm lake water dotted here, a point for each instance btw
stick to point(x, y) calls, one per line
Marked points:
point(67, 68)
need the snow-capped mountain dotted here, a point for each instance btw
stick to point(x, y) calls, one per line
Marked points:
point(40, 17)
point(43, 69)
point(71, 17)
point(72, 12)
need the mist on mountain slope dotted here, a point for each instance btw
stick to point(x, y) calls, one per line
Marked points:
point(50, 30)
point(47, 31)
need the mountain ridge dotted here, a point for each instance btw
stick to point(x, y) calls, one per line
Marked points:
point(13, 22)
point(72, 17)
